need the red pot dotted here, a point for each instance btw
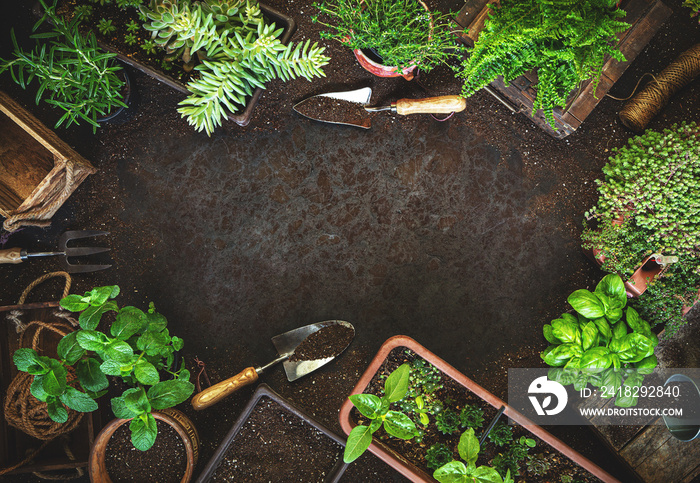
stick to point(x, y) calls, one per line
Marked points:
point(409, 470)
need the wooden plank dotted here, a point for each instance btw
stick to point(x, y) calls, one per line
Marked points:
point(466, 18)
point(673, 460)
point(646, 444)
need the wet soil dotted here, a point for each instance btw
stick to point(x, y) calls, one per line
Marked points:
point(165, 462)
point(275, 445)
point(455, 397)
point(326, 342)
point(464, 235)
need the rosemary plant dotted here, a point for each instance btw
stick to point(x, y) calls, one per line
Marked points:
point(402, 32)
point(565, 40)
point(74, 73)
point(239, 52)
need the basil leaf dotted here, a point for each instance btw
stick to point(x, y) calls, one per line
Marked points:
point(369, 405)
point(25, 358)
point(396, 384)
point(565, 330)
point(143, 433)
point(589, 336)
point(129, 321)
point(399, 425)
point(612, 380)
point(586, 304)
point(468, 446)
point(74, 303)
point(560, 354)
point(358, 441)
point(596, 358)
point(603, 327)
point(629, 391)
point(78, 401)
point(90, 375)
point(452, 472)
point(90, 318)
point(619, 330)
point(69, 350)
point(56, 411)
point(647, 365)
point(563, 376)
point(613, 287)
point(549, 335)
point(146, 373)
point(167, 394)
point(486, 474)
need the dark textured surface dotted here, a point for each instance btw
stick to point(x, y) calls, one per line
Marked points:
point(463, 235)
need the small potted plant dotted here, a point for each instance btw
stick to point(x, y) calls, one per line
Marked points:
point(73, 73)
point(442, 405)
point(138, 352)
point(648, 205)
point(390, 38)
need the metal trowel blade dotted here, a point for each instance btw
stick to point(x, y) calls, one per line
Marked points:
point(347, 108)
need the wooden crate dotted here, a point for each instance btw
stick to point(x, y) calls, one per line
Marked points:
point(645, 17)
point(14, 443)
point(33, 163)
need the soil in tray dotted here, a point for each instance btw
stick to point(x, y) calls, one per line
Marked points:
point(326, 342)
point(453, 395)
point(275, 445)
point(165, 462)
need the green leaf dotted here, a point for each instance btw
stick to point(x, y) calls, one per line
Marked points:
point(596, 358)
point(589, 336)
point(78, 401)
point(37, 388)
point(143, 433)
point(167, 394)
point(120, 409)
point(111, 368)
point(565, 330)
point(55, 380)
point(396, 384)
point(612, 379)
point(559, 355)
point(369, 405)
point(119, 351)
point(563, 376)
point(358, 441)
point(129, 321)
point(69, 350)
point(629, 389)
point(549, 335)
point(613, 286)
point(152, 342)
point(146, 373)
point(399, 425)
point(485, 474)
point(647, 365)
point(375, 425)
point(74, 303)
point(137, 401)
point(56, 410)
point(91, 376)
point(90, 318)
point(452, 472)
point(178, 343)
point(468, 446)
point(99, 295)
point(156, 322)
point(603, 327)
point(184, 375)
point(636, 323)
point(25, 358)
point(91, 340)
point(586, 304)
point(619, 330)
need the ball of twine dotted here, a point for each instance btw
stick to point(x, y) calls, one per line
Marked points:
point(637, 113)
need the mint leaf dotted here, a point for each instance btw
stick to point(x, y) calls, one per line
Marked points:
point(146, 373)
point(25, 358)
point(130, 321)
point(156, 322)
point(143, 433)
point(69, 350)
point(90, 318)
point(137, 401)
point(74, 303)
point(119, 351)
point(90, 375)
point(99, 295)
point(54, 382)
point(120, 410)
point(152, 342)
point(37, 388)
point(91, 340)
point(111, 368)
point(78, 401)
point(56, 410)
point(178, 343)
point(167, 394)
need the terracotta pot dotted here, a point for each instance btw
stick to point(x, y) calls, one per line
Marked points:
point(406, 468)
point(334, 474)
point(97, 468)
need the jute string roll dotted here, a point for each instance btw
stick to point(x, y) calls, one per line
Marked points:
point(15, 315)
point(637, 113)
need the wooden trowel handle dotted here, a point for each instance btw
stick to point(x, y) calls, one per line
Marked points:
point(217, 392)
point(11, 255)
point(431, 105)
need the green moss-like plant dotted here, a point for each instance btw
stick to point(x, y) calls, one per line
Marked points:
point(565, 40)
point(438, 455)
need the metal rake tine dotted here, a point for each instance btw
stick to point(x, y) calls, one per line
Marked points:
point(83, 251)
point(75, 268)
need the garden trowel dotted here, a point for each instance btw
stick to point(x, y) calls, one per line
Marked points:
point(350, 107)
point(295, 365)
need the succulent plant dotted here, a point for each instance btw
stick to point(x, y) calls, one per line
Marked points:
point(448, 421)
point(537, 465)
point(83, 11)
point(500, 434)
point(105, 26)
point(471, 416)
point(438, 455)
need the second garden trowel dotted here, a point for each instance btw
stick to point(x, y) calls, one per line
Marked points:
point(301, 350)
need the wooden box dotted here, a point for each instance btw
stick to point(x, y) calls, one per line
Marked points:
point(14, 444)
point(645, 18)
point(34, 164)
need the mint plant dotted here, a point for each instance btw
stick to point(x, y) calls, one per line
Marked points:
point(137, 349)
point(466, 471)
point(378, 411)
point(596, 346)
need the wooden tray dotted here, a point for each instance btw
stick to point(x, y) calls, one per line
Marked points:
point(645, 17)
point(33, 162)
point(14, 443)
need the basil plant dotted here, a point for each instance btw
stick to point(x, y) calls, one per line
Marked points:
point(458, 472)
point(603, 343)
point(377, 410)
point(138, 349)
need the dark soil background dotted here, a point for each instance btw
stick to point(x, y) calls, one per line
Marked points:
point(461, 234)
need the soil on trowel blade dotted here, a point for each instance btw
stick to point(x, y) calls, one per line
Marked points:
point(327, 109)
point(326, 342)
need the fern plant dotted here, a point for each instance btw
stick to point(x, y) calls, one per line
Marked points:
point(565, 40)
point(238, 49)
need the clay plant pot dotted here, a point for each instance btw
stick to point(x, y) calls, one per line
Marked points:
point(411, 471)
point(97, 468)
point(331, 472)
